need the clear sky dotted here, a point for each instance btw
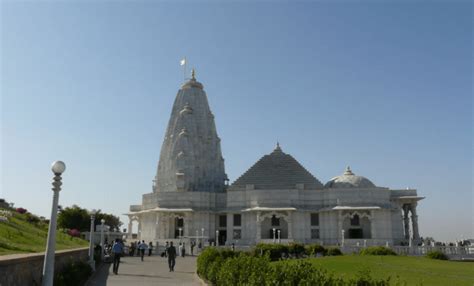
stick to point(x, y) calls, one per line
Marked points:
point(385, 87)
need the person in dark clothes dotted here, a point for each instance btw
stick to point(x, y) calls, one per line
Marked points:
point(171, 256)
point(117, 251)
point(150, 248)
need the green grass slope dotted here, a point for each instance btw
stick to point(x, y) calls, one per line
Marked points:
point(413, 270)
point(17, 235)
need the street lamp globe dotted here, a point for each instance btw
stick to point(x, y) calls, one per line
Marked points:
point(102, 221)
point(58, 167)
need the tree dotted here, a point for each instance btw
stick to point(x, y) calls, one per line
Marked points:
point(110, 220)
point(75, 217)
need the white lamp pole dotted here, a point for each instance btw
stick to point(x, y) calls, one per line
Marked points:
point(91, 241)
point(58, 168)
point(180, 234)
point(217, 238)
point(274, 235)
point(279, 236)
point(102, 221)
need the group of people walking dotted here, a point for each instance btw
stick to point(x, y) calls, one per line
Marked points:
point(140, 248)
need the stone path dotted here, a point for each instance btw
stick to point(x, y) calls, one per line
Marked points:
point(153, 271)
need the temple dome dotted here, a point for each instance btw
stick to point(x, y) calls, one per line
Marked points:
point(277, 171)
point(349, 180)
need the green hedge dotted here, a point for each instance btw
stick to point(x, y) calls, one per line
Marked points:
point(274, 251)
point(333, 251)
point(435, 254)
point(221, 267)
point(377, 250)
point(315, 249)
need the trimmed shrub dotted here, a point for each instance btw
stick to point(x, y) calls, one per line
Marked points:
point(436, 254)
point(274, 251)
point(301, 272)
point(377, 250)
point(333, 251)
point(296, 249)
point(73, 274)
point(244, 270)
point(210, 261)
point(314, 249)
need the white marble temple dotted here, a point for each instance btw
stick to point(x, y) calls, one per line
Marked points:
point(277, 199)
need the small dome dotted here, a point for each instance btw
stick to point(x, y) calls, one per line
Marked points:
point(349, 180)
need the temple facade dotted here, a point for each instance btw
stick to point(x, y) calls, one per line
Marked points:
point(275, 200)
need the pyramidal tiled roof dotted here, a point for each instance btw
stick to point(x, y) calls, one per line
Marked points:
point(277, 170)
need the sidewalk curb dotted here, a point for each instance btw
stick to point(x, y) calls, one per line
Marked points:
point(200, 279)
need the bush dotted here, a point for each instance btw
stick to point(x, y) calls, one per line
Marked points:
point(274, 251)
point(244, 270)
point(210, 261)
point(301, 272)
point(74, 232)
point(21, 210)
point(436, 254)
point(73, 274)
point(377, 250)
point(31, 218)
point(333, 251)
point(314, 249)
point(296, 249)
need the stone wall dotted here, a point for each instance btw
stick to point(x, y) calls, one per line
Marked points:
point(26, 269)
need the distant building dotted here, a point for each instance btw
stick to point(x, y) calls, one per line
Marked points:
point(277, 199)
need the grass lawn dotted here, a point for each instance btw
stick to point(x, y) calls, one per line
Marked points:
point(17, 235)
point(413, 270)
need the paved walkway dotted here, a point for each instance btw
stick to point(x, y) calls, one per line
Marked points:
point(153, 271)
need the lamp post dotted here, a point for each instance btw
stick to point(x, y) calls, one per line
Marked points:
point(274, 235)
point(102, 221)
point(279, 236)
point(342, 240)
point(91, 241)
point(180, 234)
point(217, 238)
point(58, 168)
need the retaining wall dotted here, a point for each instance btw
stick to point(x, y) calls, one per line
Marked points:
point(26, 269)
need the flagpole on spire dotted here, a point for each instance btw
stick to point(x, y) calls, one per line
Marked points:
point(183, 63)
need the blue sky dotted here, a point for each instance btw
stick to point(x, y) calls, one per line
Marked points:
point(385, 87)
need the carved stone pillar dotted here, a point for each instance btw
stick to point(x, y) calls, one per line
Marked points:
point(373, 228)
point(157, 226)
point(406, 221)
point(259, 227)
point(139, 228)
point(130, 225)
point(290, 225)
point(339, 226)
point(414, 222)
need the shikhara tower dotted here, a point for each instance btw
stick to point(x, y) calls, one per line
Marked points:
point(191, 158)
point(276, 199)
